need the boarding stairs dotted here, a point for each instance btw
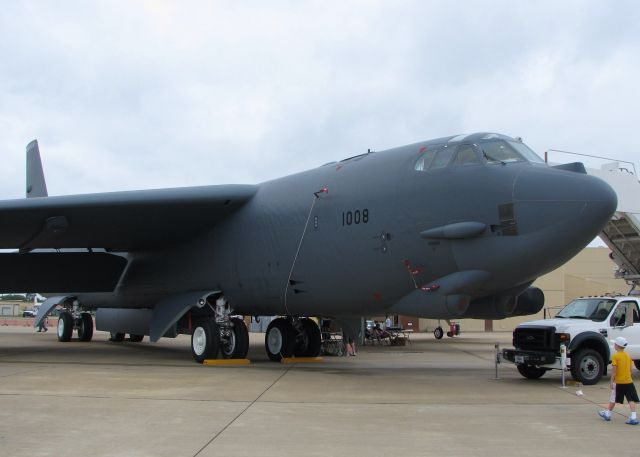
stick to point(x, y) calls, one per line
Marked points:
point(622, 233)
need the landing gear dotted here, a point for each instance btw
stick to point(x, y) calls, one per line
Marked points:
point(136, 338)
point(73, 317)
point(117, 337)
point(309, 338)
point(286, 338)
point(234, 340)
point(279, 340)
point(65, 327)
point(85, 327)
point(438, 333)
point(205, 341)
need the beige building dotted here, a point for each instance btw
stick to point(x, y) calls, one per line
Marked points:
point(591, 272)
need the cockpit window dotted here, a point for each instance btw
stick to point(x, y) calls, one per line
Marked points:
point(425, 160)
point(442, 158)
point(466, 155)
point(435, 157)
point(526, 151)
point(500, 151)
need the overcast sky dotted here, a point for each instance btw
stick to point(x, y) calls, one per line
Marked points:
point(142, 94)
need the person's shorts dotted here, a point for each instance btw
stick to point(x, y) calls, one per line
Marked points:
point(627, 391)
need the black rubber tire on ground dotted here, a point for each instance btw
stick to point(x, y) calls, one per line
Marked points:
point(117, 337)
point(85, 327)
point(530, 371)
point(280, 339)
point(309, 343)
point(205, 341)
point(136, 338)
point(637, 364)
point(65, 327)
point(587, 366)
point(238, 346)
point(438, 333)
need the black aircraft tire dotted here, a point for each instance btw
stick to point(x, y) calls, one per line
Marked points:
point(438, 333)
point(136, 338)
point(280, 340)
point(65, 327)
point(117, 337)
point(239, 344)
point(530, 371)
point(637, 364)
point(587, 366)
point(205, 341)
point(309, 344)
point(85, 327)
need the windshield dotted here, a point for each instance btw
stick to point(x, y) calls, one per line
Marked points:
point(596, 309)
point(499, 152)
point(526, 151)
point(506, 151)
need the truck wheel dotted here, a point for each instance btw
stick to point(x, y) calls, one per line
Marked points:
point(530, 371)
point(587, 367)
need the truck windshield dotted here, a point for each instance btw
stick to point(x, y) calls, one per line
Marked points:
point(596, 309)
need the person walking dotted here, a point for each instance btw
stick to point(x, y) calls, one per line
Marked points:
point(621, 382)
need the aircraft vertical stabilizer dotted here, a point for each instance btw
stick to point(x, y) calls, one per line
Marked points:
point(36, 185)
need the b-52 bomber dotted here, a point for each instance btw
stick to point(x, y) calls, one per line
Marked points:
point(455, 227)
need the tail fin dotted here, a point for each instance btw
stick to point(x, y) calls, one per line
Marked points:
point(36, 185)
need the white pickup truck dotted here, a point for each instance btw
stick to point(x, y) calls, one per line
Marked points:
point(586, 327)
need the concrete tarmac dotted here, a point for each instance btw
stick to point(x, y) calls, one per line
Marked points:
point(427, 398)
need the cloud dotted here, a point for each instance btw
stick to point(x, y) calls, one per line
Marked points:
point(125, 95)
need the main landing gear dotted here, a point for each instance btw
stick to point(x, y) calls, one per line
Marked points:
point(287, 337)
point(224, 335)
point(75, 319)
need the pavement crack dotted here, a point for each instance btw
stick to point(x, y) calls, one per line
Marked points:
point(243, 411)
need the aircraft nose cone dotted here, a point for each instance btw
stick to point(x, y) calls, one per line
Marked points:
point(569, 209)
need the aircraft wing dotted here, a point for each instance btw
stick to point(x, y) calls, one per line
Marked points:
point(117, 221)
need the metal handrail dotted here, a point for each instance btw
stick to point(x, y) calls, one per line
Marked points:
point(546, 153)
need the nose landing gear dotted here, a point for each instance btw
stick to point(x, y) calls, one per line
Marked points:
point(454, 330)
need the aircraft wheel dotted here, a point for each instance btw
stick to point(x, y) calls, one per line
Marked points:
point(85, 327)
point(237, 346)
point(136, 338)
point(205, 341)
point(438, 333)
point(637, 364)
point(117, 337)
point(65, 327)
point(309, 342)
point(280, 339)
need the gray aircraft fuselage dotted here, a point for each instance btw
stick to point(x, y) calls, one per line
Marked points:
point(376, 234)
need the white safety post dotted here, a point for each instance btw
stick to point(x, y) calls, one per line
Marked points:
point(563, 363)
